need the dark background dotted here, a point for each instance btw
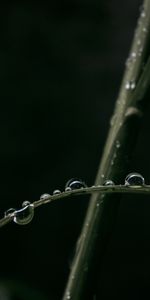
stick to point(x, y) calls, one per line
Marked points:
point(61, 65)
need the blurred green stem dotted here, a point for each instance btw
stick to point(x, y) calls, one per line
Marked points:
point(101, 214)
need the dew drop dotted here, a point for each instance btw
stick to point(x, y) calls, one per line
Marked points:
point(45, 196)
point(25, 203)
point(25, 215)
point(143, 14)
point(9, 212)
point(117, 144)
point(56, 192)
point(68, 296)
point(108, 182)
point(130, 85)
point(134, 179)
point(75, 184)
point(139, 42)
point(144, 29)
point(133, 54)
point(68, 189)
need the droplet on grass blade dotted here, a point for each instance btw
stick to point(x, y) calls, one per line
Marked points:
point(134, 179)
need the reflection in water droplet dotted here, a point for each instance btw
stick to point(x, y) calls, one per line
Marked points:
point(25, 215)
point(56, 192)
point(108, 182)
point(75, 184)
point(45, 196)
point(130, 85)
point(134, 179)
point(9, 212)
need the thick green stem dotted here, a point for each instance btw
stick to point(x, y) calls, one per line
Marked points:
point(119, 146)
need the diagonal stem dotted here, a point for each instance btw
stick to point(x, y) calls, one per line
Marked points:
point(119, 146)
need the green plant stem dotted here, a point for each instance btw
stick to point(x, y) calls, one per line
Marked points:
point(119, 146)
point(121, 189)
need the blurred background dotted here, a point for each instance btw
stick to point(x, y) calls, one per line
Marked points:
point(61, 65)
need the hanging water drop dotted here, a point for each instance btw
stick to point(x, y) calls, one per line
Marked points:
point(45, 196)
point(75, 184)
point(56, 192)
point(134, 179)
point(9, 212)
point(24, 215)
point(108, 182)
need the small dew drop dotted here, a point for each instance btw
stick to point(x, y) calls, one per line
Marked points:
point(9, 212)
point(56, 192)
point(68, 296)
point(75, 183)
point(25, 203)
point(139, 42)
point(45, 196)
point(130, 85)
point(134, 179)
point(68, 189)
point(108, 182)
point(144, 29)
point(117, 144)
point(133, 54)
point(143, 14)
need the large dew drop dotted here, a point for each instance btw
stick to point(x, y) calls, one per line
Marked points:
point(134, 179)
point(24, 215)
point(74, 184)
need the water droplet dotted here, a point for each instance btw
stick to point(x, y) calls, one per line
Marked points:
point(56, 192)
point(68, 189)
point(133, 54)
point(117, 144)
point(68, 296)
point(139, 42)
point(75, 184)
point(130, 85)
point(144, 29)
point(45, 196)
point(25, 215)
point(143, 14)
point(9, 212)
point(102, 176)
point(108, 182)
point(25, 203)
point(134, 179)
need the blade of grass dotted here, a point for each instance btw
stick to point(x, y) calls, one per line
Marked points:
point(119, 146)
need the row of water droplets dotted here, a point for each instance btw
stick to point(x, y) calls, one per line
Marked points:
point(25, 215)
